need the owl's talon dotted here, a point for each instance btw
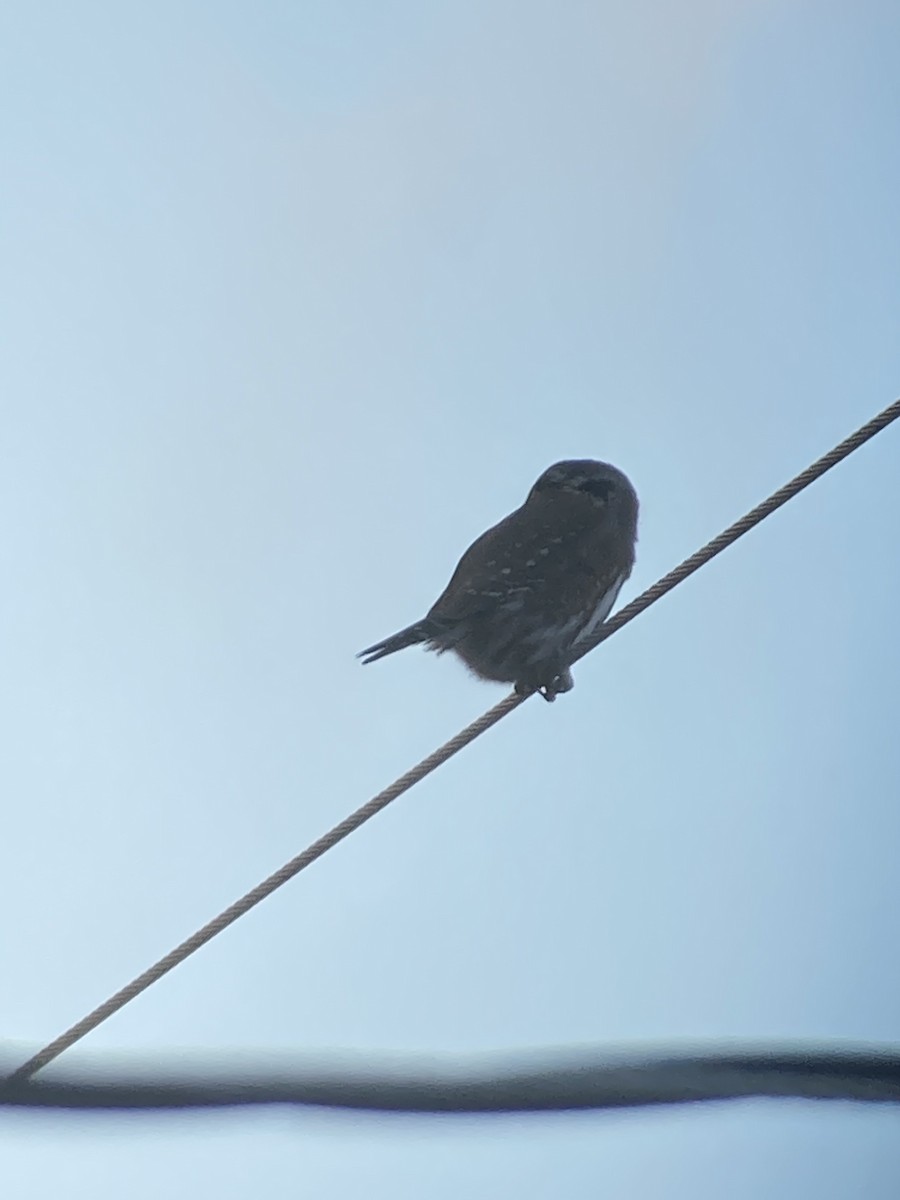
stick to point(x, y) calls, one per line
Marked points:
point(548, 691)
point(562, 683)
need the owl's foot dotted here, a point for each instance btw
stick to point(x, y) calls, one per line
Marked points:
point(559, 684)
point(562, 683)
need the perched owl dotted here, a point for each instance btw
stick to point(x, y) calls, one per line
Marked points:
point(528, 592)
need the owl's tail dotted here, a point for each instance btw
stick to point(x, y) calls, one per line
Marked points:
point(412, 635)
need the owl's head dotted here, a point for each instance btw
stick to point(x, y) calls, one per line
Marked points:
point(605, 485)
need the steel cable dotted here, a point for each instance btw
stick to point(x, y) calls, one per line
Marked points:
point(453, 746)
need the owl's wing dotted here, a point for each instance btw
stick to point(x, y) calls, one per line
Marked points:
point(559, 550)
point(501, 566)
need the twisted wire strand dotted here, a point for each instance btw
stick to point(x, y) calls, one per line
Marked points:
point(747, 522)
point(368, 810)
point(538, 1081)
point(274, 881)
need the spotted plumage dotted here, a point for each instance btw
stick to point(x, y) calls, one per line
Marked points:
point(531, 590)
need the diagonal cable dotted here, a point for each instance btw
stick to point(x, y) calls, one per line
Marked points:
point(440, 756)
point(747, 522)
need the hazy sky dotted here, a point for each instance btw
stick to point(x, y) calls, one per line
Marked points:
point(297, 299)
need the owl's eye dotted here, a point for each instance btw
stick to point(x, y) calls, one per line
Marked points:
point(601, 488)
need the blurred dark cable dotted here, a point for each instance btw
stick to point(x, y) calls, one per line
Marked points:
point(552, 1082)
point(368, 810)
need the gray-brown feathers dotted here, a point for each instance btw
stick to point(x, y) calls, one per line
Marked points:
point(528, 590)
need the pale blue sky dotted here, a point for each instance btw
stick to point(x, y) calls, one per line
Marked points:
point(297, 299)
